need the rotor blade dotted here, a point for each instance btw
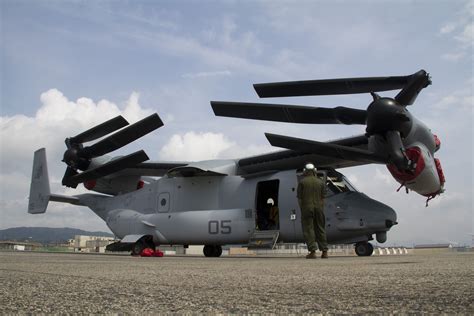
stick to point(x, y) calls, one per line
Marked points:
point(290, 113)
point(417, 82)
point(123, 137)
point(67, 175)
point(329, 86)
point(110, 167)
point(325, 149)
point(100, 130)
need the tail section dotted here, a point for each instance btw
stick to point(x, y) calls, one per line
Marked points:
point(39, 189)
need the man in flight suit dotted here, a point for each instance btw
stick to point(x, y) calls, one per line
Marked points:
point(311, 191)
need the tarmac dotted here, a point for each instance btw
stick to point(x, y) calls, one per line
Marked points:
point(84, 283)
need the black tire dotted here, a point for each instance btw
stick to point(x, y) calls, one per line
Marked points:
point(208, 250)
point(371, 249)
point(364, 249)
point(138, 247)
point(212, 251)
point(150, 244)
point(217, 251)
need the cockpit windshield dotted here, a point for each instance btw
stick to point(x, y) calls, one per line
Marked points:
point(338, 183)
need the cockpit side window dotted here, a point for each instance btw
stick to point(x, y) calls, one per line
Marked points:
point(349, 184)
point(339, 184)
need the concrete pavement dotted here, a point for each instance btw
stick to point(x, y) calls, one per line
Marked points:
point(81, 283)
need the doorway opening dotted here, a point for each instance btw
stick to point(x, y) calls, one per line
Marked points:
point(266, 205)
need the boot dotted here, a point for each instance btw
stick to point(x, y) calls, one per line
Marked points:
point(324, 255)
point(311, 255)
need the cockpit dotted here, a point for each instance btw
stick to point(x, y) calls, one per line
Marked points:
point(337, 183)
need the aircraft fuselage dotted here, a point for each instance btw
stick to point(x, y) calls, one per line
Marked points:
point(219, 210)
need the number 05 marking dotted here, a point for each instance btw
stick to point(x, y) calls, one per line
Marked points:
point(225, 228)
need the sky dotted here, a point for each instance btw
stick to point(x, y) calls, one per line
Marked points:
point(69, 65)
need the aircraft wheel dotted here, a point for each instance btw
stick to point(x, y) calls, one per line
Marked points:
point(371, 249)
point(208, 250)
point(364, 249)
point(150, 244)
point(217, 251)
point(138, 248)
point(212, 251)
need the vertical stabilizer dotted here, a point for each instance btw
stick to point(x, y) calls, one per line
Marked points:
point(39, 189)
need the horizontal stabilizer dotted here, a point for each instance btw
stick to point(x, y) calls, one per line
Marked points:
point(325, 149)
point(65, 199)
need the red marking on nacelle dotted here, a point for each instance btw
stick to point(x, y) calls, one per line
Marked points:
point(437, 141)
point(90, 184)
point(140, 184)
point(415, 155)
point(442, 179)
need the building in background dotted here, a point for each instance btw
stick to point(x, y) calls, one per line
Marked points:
point(82, 243)
point(19, 246)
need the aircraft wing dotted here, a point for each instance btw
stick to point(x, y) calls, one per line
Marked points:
point(290, 159)
point(150, 169)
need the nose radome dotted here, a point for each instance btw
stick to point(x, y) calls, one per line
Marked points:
point(376, 214)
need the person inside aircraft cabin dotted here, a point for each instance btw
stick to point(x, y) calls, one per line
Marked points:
point(310, 192)
point(273, 216)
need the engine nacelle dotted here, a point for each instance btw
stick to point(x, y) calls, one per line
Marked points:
point(427, 178)
point(116, 185)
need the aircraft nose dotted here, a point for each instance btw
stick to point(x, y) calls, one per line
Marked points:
point(389, 223)
point(382, 212)
point(369, 213)
point(381, 218)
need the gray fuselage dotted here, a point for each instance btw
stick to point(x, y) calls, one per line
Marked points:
point(219, 210)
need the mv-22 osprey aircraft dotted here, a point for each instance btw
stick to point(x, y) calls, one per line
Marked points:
point(223, 202)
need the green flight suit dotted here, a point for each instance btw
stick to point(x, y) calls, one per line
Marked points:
point(311, 192)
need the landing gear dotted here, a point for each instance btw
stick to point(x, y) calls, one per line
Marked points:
point(137, 248)
point(140, 245)
point(364, 249)
point(212, 251)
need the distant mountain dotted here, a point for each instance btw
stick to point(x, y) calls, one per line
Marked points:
point(46, 235)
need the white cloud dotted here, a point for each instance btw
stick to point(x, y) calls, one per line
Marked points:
point(232, 39)
point(195, 146)
point(56, 119)
point(235, 55)
point(238, 151)
point(457, 101)
point(462, 31)
point(168, 118)
point(467, 35)
point(58, 110)
point(453, 56)
point(447, 28)
point(206, 74)
point(338, 33)
point(383, 176)
point(192, 146)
